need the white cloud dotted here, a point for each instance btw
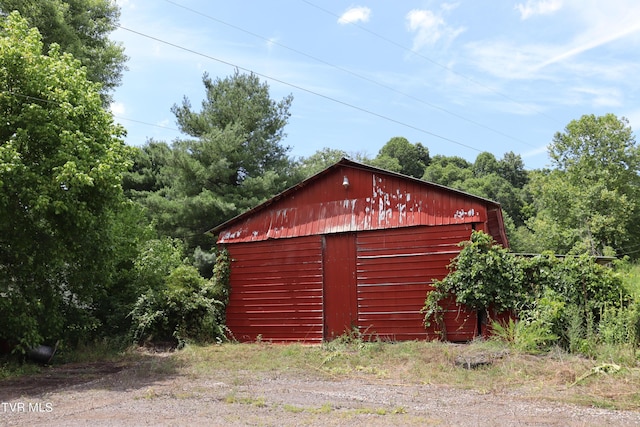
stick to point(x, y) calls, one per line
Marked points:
point(539, 7)
point(542, 59)
point(117, 108)
point(430, 28)
point(165, 123)
point(598, 97)
point(590, 40)
point(506, 59)
point(355, 14)
point(448, 7)
point(535, 152)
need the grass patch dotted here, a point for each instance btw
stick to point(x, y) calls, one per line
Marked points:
point(293, 409)
point(324, 409)
point(548, 376)
point(11, 368)
point(554, 375)
point(246, 400)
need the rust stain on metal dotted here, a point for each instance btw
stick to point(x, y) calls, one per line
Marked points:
point(323, 256)
point(372, 201)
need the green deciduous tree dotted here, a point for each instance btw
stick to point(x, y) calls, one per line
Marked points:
point(61, 165)
point(483, 276)
point(511, 168)
point(81, 28)
point(501, 180)
point(556, 300)
point(400, 155)
point(485, 164)
point(448, 170)
point(318, 161)
point(494, 187)
point(185, 309)
point(590, 202)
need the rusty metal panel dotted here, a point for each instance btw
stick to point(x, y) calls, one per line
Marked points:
point(276, 290)
point(395, 270)
point(373, 200)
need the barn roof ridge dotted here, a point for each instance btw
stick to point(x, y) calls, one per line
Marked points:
point(342, 162)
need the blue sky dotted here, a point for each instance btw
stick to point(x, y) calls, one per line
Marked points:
point(460, 77)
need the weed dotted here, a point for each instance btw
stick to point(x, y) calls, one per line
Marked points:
point(150, 394)
point(416, 362)
point(527, 335)
point(324, 409)
point(247, 400)
point(293, 409)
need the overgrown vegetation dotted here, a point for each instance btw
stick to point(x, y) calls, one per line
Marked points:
point(183, 306)
point(483, 277)
point(572, 302)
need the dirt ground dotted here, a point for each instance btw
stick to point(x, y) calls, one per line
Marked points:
point(138, 393)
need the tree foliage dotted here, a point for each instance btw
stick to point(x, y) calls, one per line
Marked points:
point(179, 305)
point(483, 277)
point(318, 161)
point(500, 180)
point(243, 124)
point(449, 171)
point(234, 160)
point(61, 164)
point(81, 28)
point(511, 168)
point(185, 309)
point(589, 203)
point(400, 155)
point(557, 300)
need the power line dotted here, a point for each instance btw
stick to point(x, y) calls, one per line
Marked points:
point(146, 123)
point(426, 58)
point(49, 101)
point(345, 70)
point(346, 104)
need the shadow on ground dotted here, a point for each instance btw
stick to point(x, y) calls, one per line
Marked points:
point(141, 372)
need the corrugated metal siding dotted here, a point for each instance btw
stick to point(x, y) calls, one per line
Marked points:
point(403, 232)
point(340, 292)
point(276, 290)
point(495, 227)
point(395, 270)
point(372, 201)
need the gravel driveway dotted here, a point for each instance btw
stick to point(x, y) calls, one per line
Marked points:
point(109, 394)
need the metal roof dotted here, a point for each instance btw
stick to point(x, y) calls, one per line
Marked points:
point(351, 164)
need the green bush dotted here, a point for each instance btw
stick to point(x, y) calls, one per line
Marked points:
point(185, 310)
point(570, 301)
point(483, 276)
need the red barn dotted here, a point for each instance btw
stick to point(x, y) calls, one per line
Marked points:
point(351, 247)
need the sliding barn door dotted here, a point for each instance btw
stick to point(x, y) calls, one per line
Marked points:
point(395, 270)
point(276, 290)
